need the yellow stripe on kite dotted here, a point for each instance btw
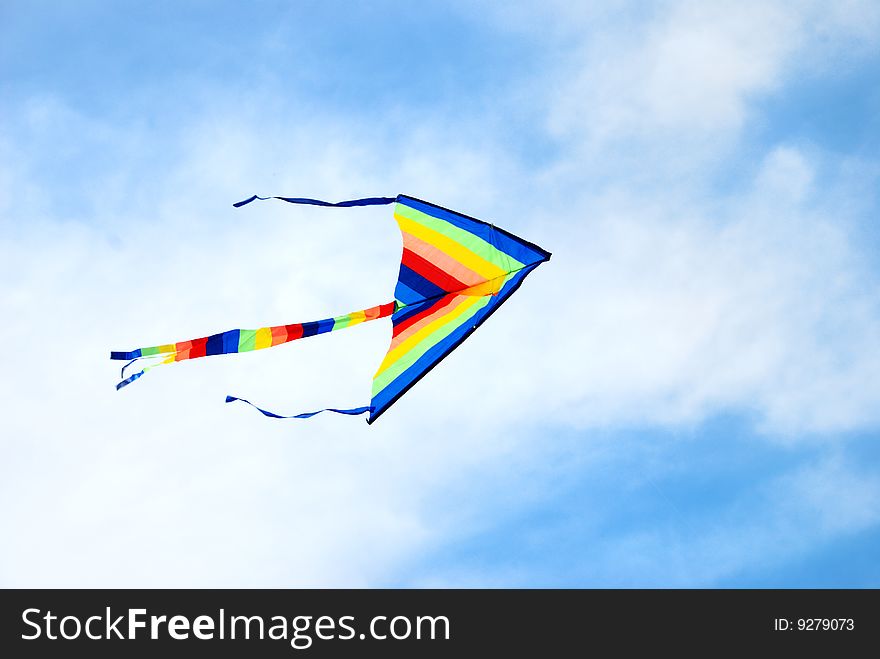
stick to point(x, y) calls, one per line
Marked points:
point(405, 346)
point(263, 338)
point(452, 248)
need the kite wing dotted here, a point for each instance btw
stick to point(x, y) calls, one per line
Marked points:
point(454, 273)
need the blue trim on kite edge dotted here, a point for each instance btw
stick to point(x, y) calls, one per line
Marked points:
point(503, 297)
point(540, 250)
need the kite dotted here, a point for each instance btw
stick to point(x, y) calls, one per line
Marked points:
point(455, 272)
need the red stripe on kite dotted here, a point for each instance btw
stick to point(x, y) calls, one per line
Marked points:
point(198, 348)
point(431, 272)
point(412, 320)
point(294, 331)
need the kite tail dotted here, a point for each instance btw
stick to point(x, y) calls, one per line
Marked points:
point(366, 201)
point(241, 340)
point(355, 411)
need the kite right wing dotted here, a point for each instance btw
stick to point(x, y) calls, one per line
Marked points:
point(455, 272)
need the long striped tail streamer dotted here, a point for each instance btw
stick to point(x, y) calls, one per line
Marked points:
point(240, 340)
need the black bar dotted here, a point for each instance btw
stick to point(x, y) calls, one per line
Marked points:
point(523, 622)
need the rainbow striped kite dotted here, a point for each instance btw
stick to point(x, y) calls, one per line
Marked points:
point(454, 273)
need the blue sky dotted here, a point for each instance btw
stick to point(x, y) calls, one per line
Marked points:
point(685, 396)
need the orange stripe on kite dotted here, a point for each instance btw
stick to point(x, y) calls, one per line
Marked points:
point(448, 304)
point(442, 260)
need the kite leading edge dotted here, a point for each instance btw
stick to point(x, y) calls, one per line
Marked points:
point(455, 272)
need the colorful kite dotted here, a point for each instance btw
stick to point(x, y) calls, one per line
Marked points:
point(454, 273)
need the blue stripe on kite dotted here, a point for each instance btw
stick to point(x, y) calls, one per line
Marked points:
point(214, 345)
point(230, 341)
point(414, 281)
point(317, 327)
point(406, 295)
point(354, 411)
point(309, 329)
point(134, 354)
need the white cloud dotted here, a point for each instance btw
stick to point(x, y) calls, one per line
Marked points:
point(763, 305)
point(675, 82)
point(691, 69)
